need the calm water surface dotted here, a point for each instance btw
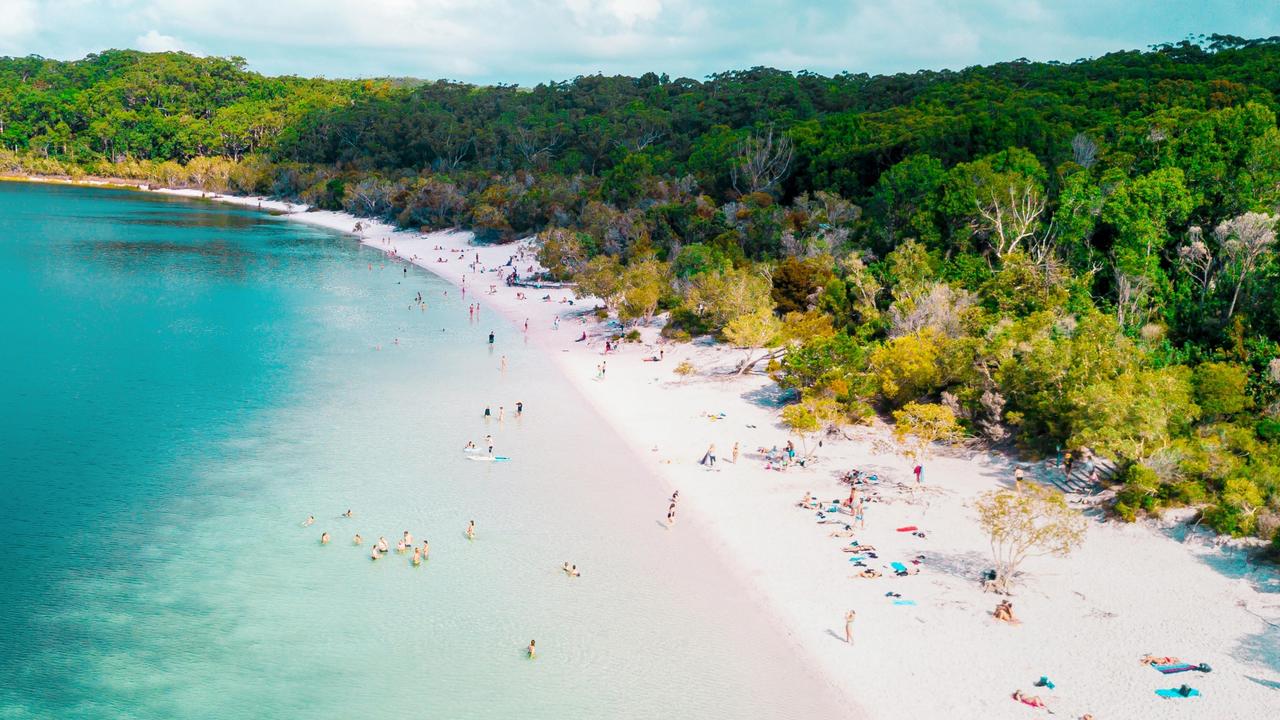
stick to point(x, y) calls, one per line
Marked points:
point(181, 384)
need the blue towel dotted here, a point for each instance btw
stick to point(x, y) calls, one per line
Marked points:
point(1173, 693)
point(898, 567)
point(856, 558)
point(913, 602)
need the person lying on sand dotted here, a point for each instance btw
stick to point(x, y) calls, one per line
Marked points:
point(1030, 700)
point(1004, 613)
point(809, 502)
point(847, 532)
point(1150, 659)
point(869, 573)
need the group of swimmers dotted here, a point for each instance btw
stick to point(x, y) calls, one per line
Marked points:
point(382, 547)
point(502, 411)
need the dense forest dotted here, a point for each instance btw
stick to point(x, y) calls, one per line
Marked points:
point(1052, 255)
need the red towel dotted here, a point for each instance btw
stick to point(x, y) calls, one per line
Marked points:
point(909, 528)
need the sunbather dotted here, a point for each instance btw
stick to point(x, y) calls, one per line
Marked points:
point(1150, 659)
point(809, 502)
point(1004, 612)
point(869, 573)
point(1030, 700)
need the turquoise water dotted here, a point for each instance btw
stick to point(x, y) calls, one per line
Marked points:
point(182, 383)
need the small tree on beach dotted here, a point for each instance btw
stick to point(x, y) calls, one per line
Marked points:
point(602, 278)
point(753, 332)
point(642, 282)
point(917, 426)
point(1036, 521)
point(810, 416)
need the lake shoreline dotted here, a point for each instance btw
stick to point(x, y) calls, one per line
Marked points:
point(1131, 589)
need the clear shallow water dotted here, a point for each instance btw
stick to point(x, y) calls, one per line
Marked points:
point(181, 384)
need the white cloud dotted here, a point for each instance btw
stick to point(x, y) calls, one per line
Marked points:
point(153, 41)
point(17, 21)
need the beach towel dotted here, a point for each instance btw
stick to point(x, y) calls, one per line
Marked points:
point(856, 558)
point(909, 528)
point(899, 568)
point(1181, 667)
point(1177, 693)
point(906, 602)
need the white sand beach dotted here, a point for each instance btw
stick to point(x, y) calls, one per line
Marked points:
point(1131, 589)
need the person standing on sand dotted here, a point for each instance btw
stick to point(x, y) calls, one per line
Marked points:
point(709, 458)
point(519, 408)
point(503, 362)
point(858, 515)
point(1066, 465)
point(488, 440)
point(671, 515)
point(848, 627)
point(532, 650)
point(1017, 479)
point(735, 452)
point(471, 530)
point(919, 472)
point(490, 337)
point(501, 413)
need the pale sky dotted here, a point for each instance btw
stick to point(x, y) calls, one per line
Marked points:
point(528, 41)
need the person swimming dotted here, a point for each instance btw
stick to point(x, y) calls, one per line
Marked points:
point(324, 538)
point(417, 556)
point(532, 649)
point(357, 539)
point(400, 546)
point(469, 446)
point(376, 554)
point(382, 545)
point(348, 513)
point(310, 519)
